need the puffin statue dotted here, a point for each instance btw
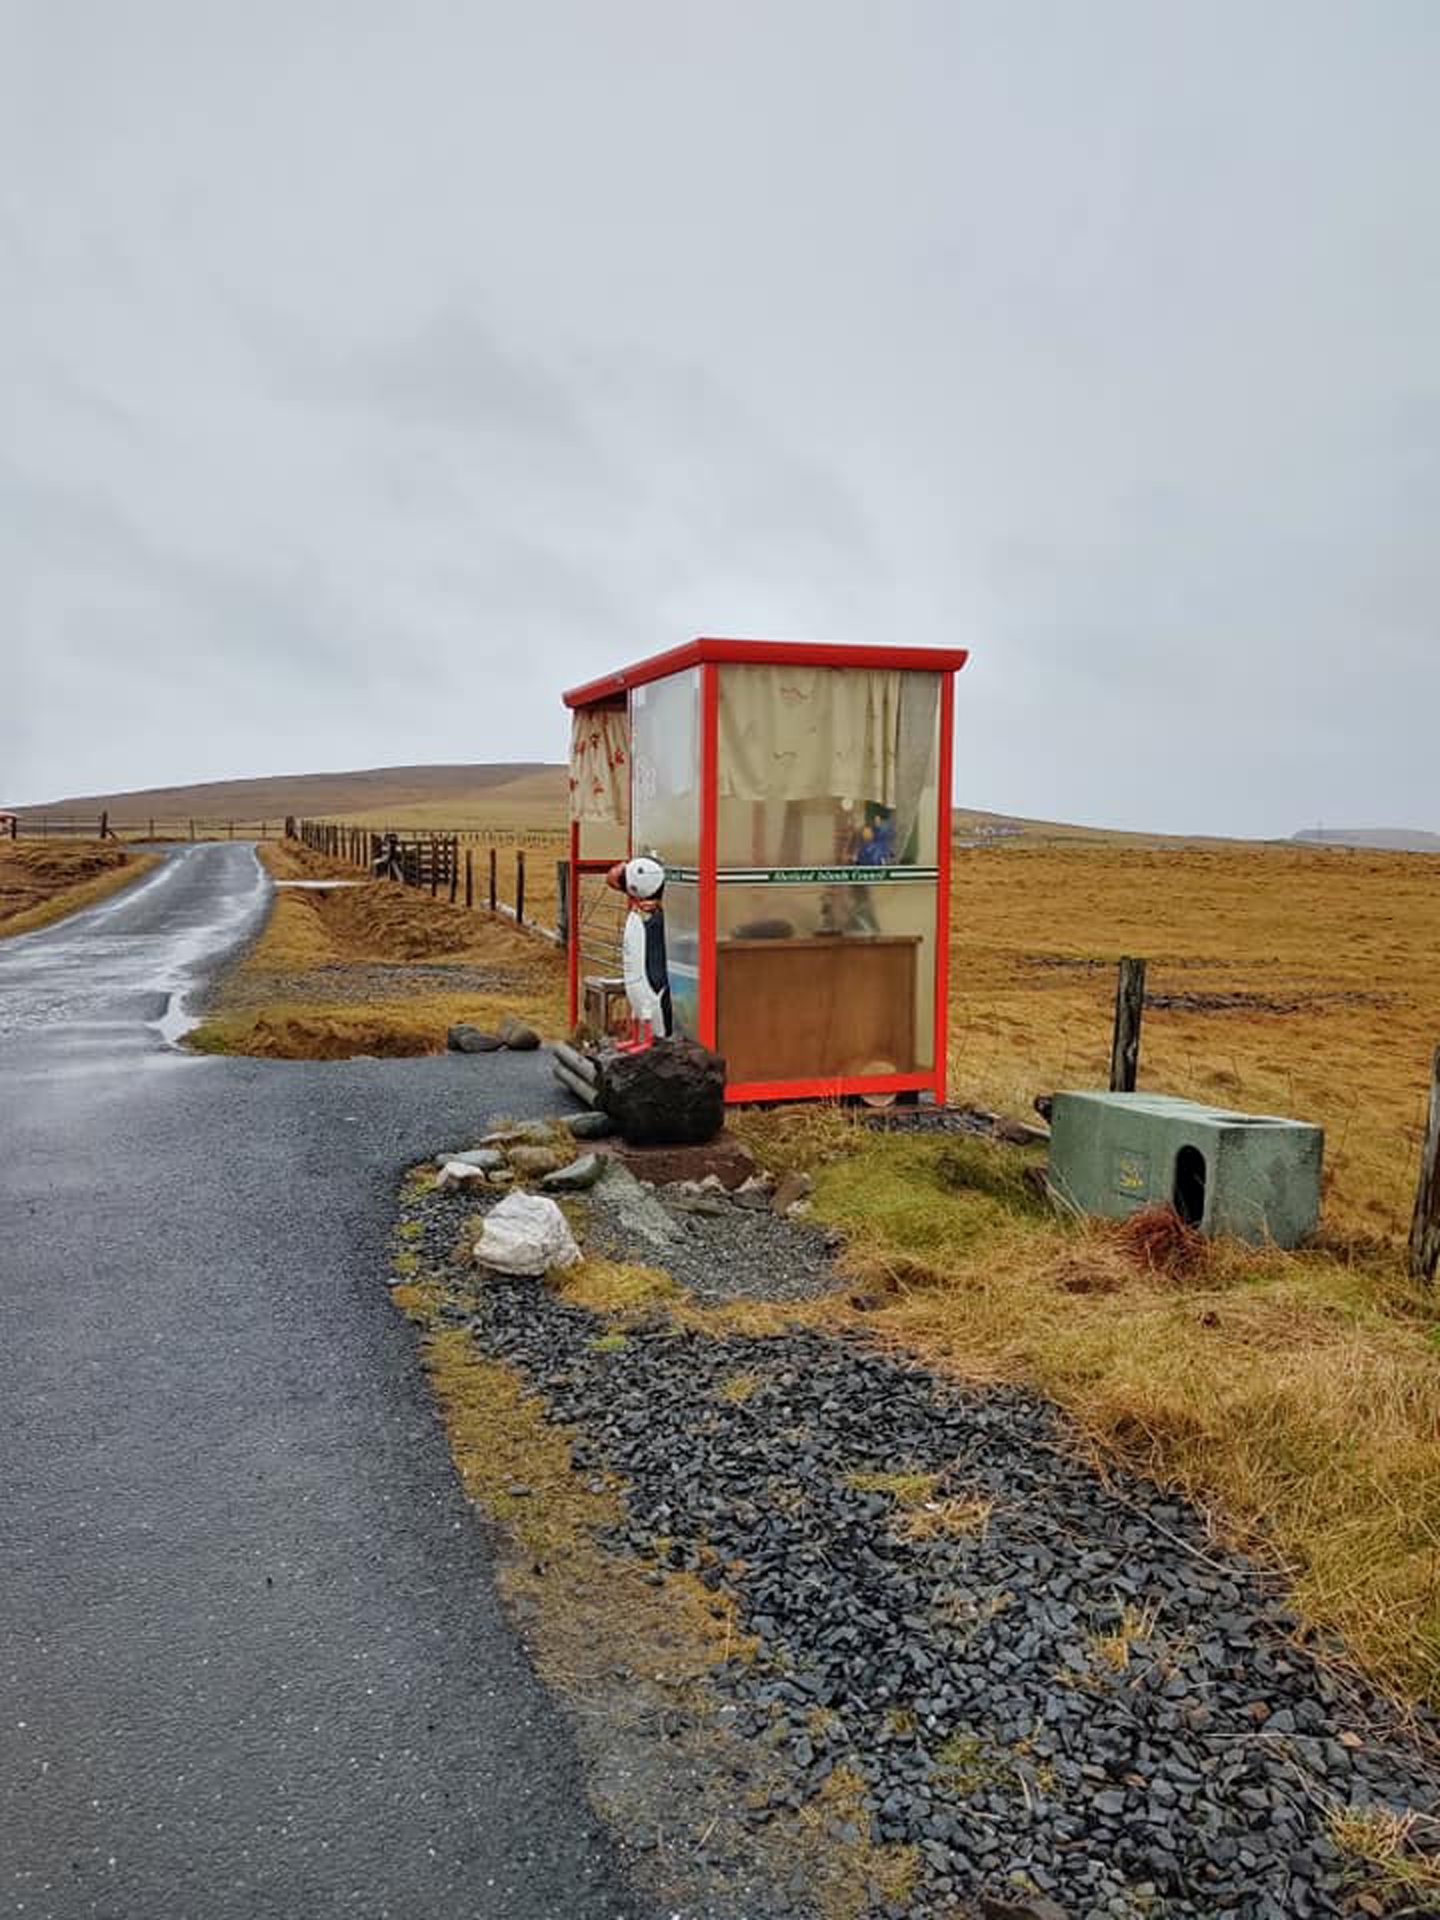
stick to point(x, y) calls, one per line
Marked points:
point(647, 982)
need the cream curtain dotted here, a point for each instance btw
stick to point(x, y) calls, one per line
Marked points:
point(600, 765)
point(812, 733)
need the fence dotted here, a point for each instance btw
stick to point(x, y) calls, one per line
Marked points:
point(89, 826)
point(509, 871)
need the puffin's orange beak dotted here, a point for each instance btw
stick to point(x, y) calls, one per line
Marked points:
point(616, 877)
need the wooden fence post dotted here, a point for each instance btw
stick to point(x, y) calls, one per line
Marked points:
point(1425, 1228)
point(192, 829)
point(494, 888)
point(469, 877)
point(1129, 1007)
point(519, 886)
point(105, 825)
point(452, 857)
point(562, 903)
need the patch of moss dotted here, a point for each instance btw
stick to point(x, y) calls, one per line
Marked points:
point(612, 1286)
point(907, 1486)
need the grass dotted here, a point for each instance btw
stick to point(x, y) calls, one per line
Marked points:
point(905, 1487)
point(853, 1875)
point(1296, 1396)
point(1134, 1629)
point(739, 1388)
point(330, 976)
point(1336, 946)
point(612, 1286)
point(42, 881)
point(1400, 1851)
point(952, 1518)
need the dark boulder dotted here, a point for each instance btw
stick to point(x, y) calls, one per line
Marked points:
point(467, 1039)
point(672, 1094)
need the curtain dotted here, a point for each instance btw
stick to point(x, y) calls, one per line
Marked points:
point(816, 733)
point(600, 765)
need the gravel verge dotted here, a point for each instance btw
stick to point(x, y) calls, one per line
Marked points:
point(721, 1249)
point(1052, 1685)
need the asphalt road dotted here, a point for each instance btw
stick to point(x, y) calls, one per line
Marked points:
point(252, 1660)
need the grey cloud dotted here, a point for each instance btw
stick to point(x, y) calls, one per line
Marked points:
point(500, 345)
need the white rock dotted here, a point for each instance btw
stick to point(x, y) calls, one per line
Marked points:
point(486, 1158)
point(459, 1173)
point(526, 1234)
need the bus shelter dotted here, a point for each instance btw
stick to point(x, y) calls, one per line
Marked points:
point(799, 798)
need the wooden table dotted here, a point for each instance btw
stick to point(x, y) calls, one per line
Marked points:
point(817, 1006)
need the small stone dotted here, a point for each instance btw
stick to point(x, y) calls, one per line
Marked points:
point(1035, 1906)
point(467, 1039)
point(590, 1126)
point(793, 1190)
point(575, 1177)
point(517, 1036)
point(535, 1161)
point(535, 1132)
point(487, 1159)
point(458, 1173)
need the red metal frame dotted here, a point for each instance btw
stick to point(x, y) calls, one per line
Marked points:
point(707, 1011)
point(943, 836)
point(572, 954)
point(709, 655)
point(829, 1089)
point(759, 653)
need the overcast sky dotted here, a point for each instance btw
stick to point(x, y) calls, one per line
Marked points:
point(372, 372)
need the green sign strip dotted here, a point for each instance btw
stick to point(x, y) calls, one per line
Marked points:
point(805, 876)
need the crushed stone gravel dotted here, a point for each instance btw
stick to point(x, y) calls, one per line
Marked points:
point(1052, 1684)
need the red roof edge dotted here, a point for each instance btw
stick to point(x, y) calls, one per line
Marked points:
point(806, 653)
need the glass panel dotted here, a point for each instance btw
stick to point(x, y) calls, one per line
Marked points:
point(665, 769)
point(682, 950)
point(824, 981)
point(824, 766)
point(827, 818)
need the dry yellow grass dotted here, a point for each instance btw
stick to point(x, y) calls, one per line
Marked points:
point(1346, 941)
point(332, 975)
point(42, 881)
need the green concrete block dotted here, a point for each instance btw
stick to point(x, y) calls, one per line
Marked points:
point(1255, 1176)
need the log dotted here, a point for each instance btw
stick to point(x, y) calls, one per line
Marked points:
point(1425, 1227)
point(1129, 1006)
point(572, 1083)
point(575, 1061)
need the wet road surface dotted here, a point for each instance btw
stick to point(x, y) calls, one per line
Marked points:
point(252, 1661)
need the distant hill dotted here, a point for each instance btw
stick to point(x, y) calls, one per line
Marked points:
point(1382, 839)
point(526, 788)
point(529, 794)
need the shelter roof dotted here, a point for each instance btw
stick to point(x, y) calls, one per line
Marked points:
point(778, 653)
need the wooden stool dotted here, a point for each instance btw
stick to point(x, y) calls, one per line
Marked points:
point(606, 1008)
